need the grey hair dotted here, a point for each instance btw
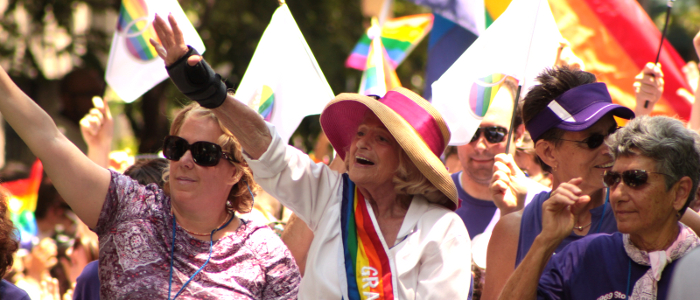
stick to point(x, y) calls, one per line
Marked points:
point(675, 149)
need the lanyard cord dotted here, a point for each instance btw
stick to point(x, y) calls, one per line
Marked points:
point(172, 258)
point(602, 216)
point(211, 244)
point(629, 276)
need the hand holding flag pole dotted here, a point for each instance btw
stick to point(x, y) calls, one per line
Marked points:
point(669, 4)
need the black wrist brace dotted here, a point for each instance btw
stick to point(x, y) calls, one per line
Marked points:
point(198, 82)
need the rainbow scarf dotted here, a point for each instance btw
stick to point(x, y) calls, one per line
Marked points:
point(367, 265)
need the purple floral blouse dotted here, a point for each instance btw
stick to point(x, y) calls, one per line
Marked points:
point(135, 234)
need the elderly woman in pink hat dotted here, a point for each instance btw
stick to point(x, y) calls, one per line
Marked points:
point(384, 230)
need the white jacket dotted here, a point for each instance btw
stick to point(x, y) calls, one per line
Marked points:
point(432, 254)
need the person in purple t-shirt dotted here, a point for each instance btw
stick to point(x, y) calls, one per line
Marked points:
point(477, 159)
point(649, 192)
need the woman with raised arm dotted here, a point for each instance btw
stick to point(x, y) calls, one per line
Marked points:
point(182, 241)
point(384, 230)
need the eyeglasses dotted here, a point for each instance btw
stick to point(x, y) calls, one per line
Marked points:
point(494, 134)
point(205, 154)
point(632, 178)
point(595, 140)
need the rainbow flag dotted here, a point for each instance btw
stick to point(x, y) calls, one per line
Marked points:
point(133, 67)
point(493, 9)
point(379, 76)
point(482, 92)
point(367, 264)
point(22, 195)
point(615, 39)
point(525, 40)
point(134, 22)
point(399, 36)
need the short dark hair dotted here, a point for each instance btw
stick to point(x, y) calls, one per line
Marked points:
point(147, 171)
point(552, 83)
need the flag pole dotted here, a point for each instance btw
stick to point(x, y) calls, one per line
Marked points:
point(517, 96)
point(669, 4)
point(512, 117)
point(384, 14)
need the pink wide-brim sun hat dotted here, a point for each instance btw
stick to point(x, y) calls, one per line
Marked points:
point(415, 124)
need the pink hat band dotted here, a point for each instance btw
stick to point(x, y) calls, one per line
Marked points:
point(420, 119)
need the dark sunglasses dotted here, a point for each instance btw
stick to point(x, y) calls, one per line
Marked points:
point(595, 140)
point(632, 178)
point(494, 134)
point(205, 154)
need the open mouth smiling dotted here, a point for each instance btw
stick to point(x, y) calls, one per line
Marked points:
point(363, 161)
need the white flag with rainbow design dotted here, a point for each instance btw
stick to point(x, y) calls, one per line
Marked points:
point(134, 67)
point(283, 81)
point(521, 43)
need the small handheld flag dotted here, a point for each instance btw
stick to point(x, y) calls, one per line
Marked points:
point(399, 36)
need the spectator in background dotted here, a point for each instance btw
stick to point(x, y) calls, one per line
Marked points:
point(53, 213)
point(76, 91)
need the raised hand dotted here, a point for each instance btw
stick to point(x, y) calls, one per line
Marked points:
point(558, 211)
point(189, 72)
point(97, 128)
point(171, 46)
point(648, 88)
point(507, 189)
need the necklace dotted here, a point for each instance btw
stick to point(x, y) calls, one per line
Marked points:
point(172, 255)
point(579, 228)
point(206, 234)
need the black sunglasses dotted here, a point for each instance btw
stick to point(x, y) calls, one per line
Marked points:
point(632, 178)
point(595, 140)
point(493, 134)
point(205, 154)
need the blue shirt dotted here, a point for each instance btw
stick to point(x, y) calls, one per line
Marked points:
point(475, 213)
point(596, 267)
point(531, 225)
point(10, 291)
point(87, 285)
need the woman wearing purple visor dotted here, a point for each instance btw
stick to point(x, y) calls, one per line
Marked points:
point(569, 116)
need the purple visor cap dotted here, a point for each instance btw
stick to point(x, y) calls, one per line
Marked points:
point(576, 110)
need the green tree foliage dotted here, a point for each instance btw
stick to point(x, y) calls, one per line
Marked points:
point(230, 30)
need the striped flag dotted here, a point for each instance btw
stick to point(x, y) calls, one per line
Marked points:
point(615, 39)
point(22, 195)
point(134, 67)
point(283, 81)
point(399, 36)
point(379, 76)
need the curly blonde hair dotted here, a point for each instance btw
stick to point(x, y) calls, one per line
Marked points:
point(239, 199)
